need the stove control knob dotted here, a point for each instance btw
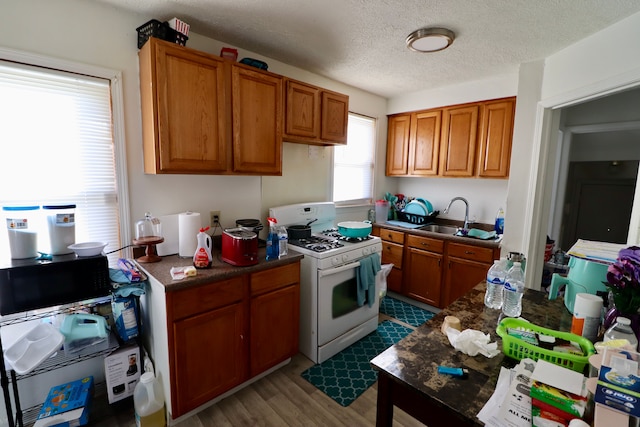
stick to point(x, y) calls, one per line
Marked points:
point(345, 258)
point(335, 260)
point(366, 251)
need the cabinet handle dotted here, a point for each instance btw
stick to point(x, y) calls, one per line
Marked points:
point(439, 262)
point(469, 252)
point(425, 244)
point(242, 337)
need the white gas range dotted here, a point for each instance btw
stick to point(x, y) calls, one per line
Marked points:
point(330, 317)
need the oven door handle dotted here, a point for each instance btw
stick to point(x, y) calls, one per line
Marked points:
point(323, 273)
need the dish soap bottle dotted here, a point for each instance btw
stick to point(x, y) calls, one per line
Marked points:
point(273, 246)
point(202, 258)
point(499, 225)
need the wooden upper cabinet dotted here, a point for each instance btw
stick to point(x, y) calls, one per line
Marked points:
point(205, 115)
point(496, 133)
point(183, 109)
point(303, 110)
point(314, 115)
point(467, 140)
point(257, 111)
point(398, 131)
point(335, 117)
point(458, 146)
point(424, 143)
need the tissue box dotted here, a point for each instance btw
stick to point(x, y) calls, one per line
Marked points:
point(67, 404)
point(122, 372)
point(619, 381)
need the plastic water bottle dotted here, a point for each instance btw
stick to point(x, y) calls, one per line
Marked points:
point(495, 284)
point(513, 290)
point(273, 242)
point(499, 224)
point(283, 240)
point(148, 401)
point(621, 329)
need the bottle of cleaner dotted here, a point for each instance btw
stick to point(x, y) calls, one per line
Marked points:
point(499, 224)
point(148, 402)
point(273, 242)
point(202, 257)
point(513, 291)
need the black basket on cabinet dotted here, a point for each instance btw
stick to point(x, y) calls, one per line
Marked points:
point(161, 30)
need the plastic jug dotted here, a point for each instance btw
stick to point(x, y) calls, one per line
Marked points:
point(202, 258)
point(148, 401)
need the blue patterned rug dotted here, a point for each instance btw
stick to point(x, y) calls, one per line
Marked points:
point(407, 313)
point(348, 374)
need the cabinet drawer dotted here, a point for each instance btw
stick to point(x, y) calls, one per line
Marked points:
point(392, 254)
point(475, 253)
point(275, 278)
point(425, 243)
point(392, 236)
point(188, 302)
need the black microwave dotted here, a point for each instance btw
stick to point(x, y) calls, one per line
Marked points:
point(30, 284)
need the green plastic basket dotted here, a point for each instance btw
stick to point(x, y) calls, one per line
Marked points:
point(518, 349)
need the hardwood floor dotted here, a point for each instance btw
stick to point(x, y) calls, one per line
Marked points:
point(282, 398)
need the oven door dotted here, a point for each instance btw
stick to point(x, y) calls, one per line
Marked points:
point(338, 310)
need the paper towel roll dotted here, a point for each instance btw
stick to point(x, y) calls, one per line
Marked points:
point(188, 228)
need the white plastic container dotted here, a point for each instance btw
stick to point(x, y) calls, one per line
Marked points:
point(61, 223)
point(587, 311)
point(148, 402)
point(22, 230)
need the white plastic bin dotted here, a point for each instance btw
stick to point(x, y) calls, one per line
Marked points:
point(61, 223)
point(22, 230)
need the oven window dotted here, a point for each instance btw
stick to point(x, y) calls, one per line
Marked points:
point(344, 298)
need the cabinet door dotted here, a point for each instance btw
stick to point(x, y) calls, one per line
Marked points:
point(496, 133)
point(458, 144)
point(424, 143)
point(460, 276)
point(423, 276)
point(183, 110)
point(302, 110)
point(210, 357)
point(257, 107)
point(398, 144)
point(274, 328)
point(335, 115)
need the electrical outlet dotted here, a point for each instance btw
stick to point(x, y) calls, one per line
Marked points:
point(214, 217)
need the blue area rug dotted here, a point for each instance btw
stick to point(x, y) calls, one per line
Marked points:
point(348, 374)
point(407, 313)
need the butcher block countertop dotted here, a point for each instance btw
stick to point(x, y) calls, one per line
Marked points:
point(219, 270)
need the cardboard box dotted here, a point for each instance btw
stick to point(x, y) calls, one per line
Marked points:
point(67, 404)
point(122, 371)
point(619, 381)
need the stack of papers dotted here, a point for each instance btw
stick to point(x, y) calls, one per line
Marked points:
point(602, 252)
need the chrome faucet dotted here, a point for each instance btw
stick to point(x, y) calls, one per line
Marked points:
point(466, 211)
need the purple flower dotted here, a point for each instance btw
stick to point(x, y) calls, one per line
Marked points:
point(631, 254)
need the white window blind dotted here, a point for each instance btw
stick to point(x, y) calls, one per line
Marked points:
point(56, 147)
point(353, 163)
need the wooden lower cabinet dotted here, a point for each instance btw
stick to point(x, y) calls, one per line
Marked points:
point(210, 356)
point(221, 334)
point(423, 269)
point(392, 253)
point(466, 266)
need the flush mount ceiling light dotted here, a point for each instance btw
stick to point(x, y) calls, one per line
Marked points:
point(430, 39)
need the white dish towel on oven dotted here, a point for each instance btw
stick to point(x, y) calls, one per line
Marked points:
point(366, 279)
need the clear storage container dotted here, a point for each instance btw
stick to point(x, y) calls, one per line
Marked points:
point(22, 230)
point(61, 224)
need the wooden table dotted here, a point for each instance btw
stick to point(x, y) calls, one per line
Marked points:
point(407, 371)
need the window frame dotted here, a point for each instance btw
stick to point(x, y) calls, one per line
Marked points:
point(362, 201)
point(117, 112)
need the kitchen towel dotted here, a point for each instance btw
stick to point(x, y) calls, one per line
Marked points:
point(366, 279)
point(188, 227)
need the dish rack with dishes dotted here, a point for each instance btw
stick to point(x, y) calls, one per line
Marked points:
point(417, 219)
point(59, 360)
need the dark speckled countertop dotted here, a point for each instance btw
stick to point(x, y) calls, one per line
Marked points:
point(413, 362)
point(219, 270)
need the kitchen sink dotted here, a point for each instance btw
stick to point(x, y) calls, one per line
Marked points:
point(442, 229)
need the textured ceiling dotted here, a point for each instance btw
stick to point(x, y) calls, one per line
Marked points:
point(362, 42)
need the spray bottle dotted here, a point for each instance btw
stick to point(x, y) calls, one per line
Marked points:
point(273, 241)
point(202, 258)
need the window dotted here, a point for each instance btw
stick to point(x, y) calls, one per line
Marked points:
point(57, 147)
point(353, 163)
